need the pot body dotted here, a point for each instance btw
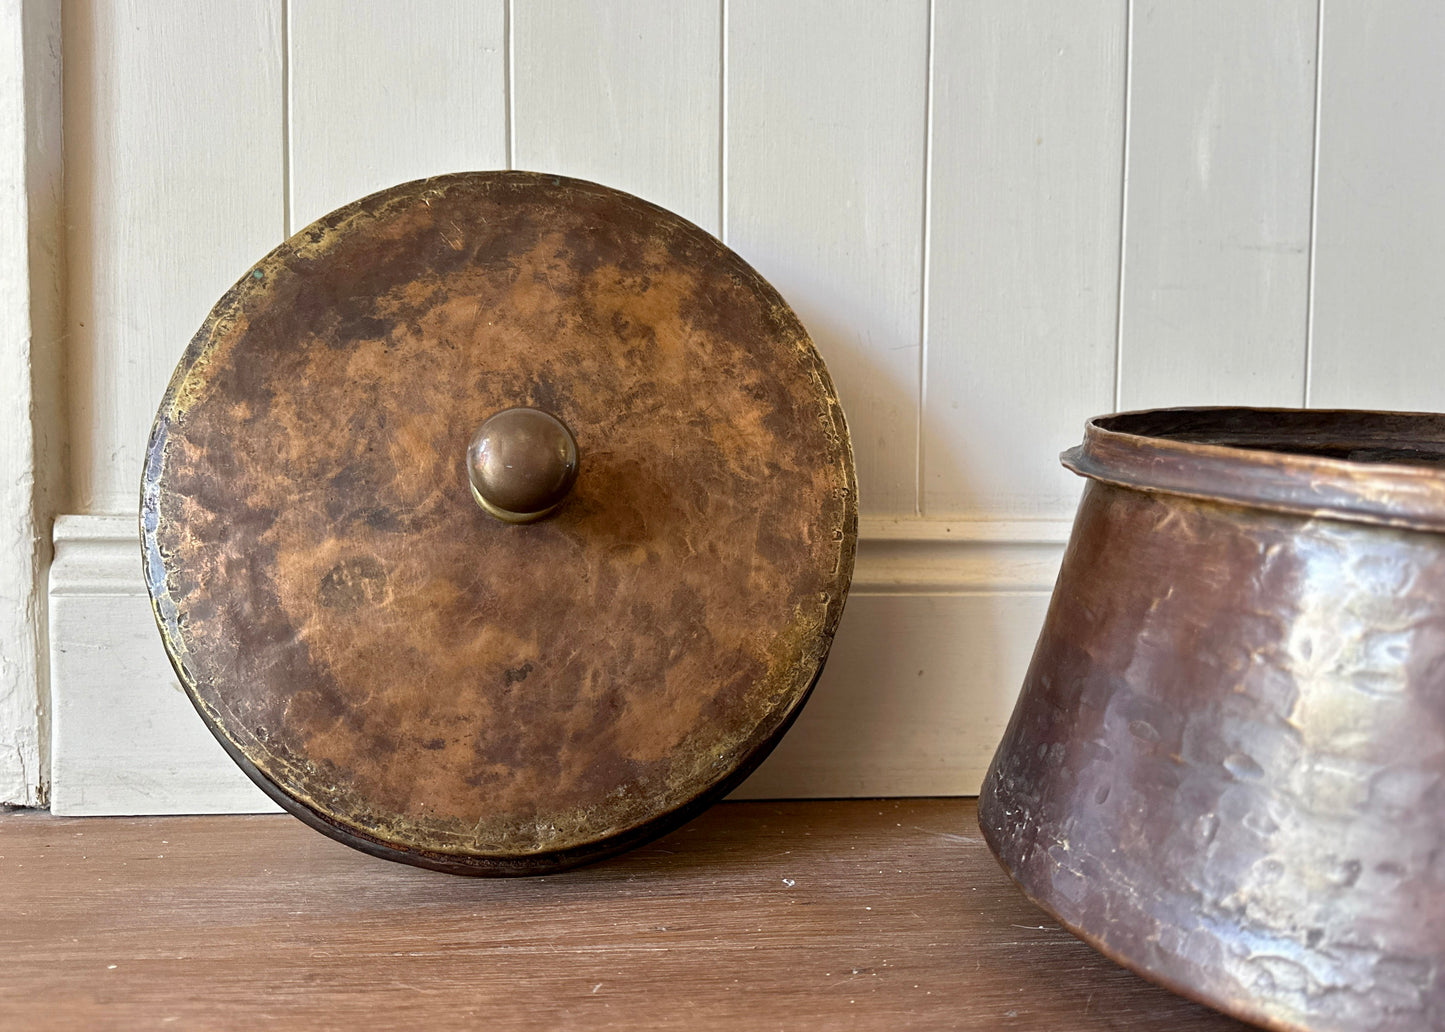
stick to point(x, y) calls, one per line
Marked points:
point(1226, 769)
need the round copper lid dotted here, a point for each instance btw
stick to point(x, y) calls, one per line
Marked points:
point(409, 673)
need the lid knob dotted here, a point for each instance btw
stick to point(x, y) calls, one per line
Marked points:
point(521, 463)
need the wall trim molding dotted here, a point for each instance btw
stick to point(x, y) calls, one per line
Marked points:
point(100, 555)
point(919, 686)
point(926, 557)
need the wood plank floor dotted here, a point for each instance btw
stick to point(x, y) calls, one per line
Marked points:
point(837, 915)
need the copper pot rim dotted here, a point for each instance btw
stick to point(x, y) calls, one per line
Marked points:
point(1277, 459)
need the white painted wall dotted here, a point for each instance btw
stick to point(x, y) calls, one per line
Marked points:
point(996, 219)
point(19, 679)
point(30, 320)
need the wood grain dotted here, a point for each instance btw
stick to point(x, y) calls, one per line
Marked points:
point(1220, 164)
point(174, 185)
point(857, 915)
point(381, 93)
point(623, 94)
point(824, 145)
point(1380, 216)
point(1028, 102)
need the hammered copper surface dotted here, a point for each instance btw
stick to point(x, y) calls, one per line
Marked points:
point(1227, 766)
point(419, 679)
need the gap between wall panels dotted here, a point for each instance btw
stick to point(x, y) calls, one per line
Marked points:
point(924, 265)
point(288, 204)
point(509, 81)
point(1314, 203)
point(1123, 210)
point(722, 130)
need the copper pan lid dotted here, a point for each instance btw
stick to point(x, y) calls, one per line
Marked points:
point(427, 682)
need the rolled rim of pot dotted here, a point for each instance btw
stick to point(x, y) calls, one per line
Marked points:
point(1383, 468)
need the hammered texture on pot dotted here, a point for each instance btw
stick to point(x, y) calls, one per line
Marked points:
point(1226, 768)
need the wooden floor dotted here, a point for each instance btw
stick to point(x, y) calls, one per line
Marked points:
point(798, 916)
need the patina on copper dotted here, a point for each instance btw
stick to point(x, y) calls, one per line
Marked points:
point(1226, 769)
point(521, 462)
point(420, 680)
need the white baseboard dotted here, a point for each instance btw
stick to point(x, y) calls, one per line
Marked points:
point(930, 654)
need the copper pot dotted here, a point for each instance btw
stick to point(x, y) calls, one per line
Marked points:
point(1226, 769)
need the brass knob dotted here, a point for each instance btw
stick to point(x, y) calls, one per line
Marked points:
point(521, 463)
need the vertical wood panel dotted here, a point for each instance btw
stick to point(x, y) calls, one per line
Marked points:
point(174, 167)
point(1027, 143)
point(19, 669)
point(1216, 254)
point(622, 94)
point(824, 183)
point(382, 93)
point(30, 318)
point(1380, 223)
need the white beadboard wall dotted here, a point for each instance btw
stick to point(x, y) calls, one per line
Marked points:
point(995, 218)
